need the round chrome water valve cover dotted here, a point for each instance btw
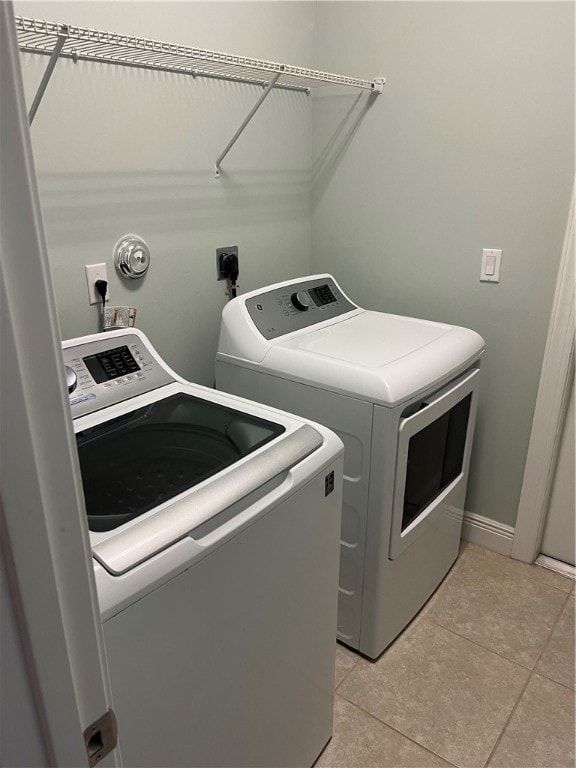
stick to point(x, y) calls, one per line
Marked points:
point(131, 257)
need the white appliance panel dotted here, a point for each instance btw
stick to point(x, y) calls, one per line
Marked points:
point(231, 663)
point(370, 339)
point(382, 358)
point(389, 368)
point(218, 604)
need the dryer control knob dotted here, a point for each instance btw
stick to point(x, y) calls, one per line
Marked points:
point(301, 300)
point(71, 378)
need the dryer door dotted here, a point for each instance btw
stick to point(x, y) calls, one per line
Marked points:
point(434, 445)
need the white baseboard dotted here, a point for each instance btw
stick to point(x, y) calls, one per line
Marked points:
point(488, 533)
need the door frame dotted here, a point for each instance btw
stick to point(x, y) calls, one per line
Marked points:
point(550, 410)
point(45, 554)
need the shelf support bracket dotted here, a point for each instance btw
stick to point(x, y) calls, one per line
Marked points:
point(46, 77)
point(251, 114)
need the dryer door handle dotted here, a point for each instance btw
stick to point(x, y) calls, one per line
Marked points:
point(441, 402)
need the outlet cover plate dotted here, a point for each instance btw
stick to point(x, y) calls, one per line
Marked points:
point(96, 272)
point(220, 253)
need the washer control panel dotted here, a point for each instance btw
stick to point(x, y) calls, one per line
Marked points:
point(103, 372)
point(292, 307)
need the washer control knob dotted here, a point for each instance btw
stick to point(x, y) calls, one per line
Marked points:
point(71, 378)
point(301, 300)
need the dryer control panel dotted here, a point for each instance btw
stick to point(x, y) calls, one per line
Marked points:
point(290, 308)
point(106, 371)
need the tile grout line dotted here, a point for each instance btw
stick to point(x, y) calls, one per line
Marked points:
point(531, 672)
point(489, 650)
point(345, 676)
point(530, 572)
point(400, 733)
point(498, 653)
point(507, 723)
point(549, 584)
point(347, 673)
point(530, 677)
point(547, 643)
point(360, 656)
point(551, 680)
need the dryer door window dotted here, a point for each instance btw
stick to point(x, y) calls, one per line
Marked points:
point(435, 457)
point(140, 460)
point(434, 444)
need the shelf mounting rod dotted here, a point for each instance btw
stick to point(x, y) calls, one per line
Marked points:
point(251, 114)
point(46, 77)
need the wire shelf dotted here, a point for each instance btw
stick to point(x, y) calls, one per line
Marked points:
point(84, 44)
point(50, 38)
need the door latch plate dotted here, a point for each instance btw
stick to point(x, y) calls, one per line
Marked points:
point(101, 737)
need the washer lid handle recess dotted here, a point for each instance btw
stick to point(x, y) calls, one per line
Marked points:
point(131, 257)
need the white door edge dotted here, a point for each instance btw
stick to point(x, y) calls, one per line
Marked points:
point(551, 403)
point(45, 547)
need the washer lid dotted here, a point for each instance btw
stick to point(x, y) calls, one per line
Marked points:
point(135, 462)
point(386, 359)
point(135, 542)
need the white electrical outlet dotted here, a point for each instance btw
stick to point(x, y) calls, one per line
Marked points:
point(96, 272)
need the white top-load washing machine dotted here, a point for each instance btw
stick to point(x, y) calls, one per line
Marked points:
point(402, 395)
point(214, 526)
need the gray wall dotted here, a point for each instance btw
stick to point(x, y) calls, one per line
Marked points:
point(471, 146)
point(121, 150)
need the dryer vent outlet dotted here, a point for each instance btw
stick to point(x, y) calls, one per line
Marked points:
point(329, 484)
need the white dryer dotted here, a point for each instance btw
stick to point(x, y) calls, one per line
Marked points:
point(402, 395)
point(214, 526)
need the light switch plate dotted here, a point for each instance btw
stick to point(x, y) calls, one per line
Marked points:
point(490, 268)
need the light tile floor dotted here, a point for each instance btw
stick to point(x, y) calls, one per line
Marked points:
point(484, 676)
